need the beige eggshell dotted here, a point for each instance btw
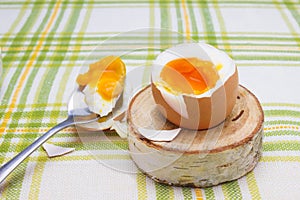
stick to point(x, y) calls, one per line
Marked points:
point(203, 112)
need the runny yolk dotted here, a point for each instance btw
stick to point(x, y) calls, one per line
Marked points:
point(108, 85)
point(189, 75)
point(107, 75)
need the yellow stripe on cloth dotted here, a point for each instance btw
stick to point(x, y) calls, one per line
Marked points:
point(30, 130)
point(282, 127)
point(187, 22)
point(53, 47)
point(198, 193)
point(27, 70)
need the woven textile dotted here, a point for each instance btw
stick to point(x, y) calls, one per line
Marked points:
point(45, 44)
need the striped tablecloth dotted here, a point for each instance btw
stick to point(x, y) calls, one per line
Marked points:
point(45, 44)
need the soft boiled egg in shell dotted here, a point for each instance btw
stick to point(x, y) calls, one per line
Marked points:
point(196, 110)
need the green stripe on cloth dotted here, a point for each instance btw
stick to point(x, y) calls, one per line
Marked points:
point(41, 106)
point(37, 177)
point(8, 93)
point(19, 113)
point(222, 25)
point(280, 159)
point(265, 51)
point(241, 63)
point(266, 64)
point(141, 186)
point(209, 193)
point(32, 134)
point(164, 192)
point(207, 22)
point(187, 193)
point(281, 133)
point(282, 113)
point(287, 55)
point(195, 34)
point(179, 21)
point(267, 58)
point(253, 187)
point(165, 21)
point(281, 146)
point(80, 157)
point(112, 144)
point(232, 190)
point(233, 39)
point(281, 105)
point(165, 25)
point(294, 10)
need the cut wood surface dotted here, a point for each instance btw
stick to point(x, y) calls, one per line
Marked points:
point(197, 158)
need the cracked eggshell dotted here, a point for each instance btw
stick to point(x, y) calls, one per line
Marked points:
point(197, 111)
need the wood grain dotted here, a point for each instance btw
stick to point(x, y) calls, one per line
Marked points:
point(197, 158)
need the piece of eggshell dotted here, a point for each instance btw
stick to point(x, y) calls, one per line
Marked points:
point(205, 112)
point(159, 135)
point(119, 124)
point(54, 151)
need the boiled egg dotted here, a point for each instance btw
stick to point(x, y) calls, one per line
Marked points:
point(195, 85)
point(103, 84)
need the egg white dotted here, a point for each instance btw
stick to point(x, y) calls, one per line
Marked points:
point(96, 103)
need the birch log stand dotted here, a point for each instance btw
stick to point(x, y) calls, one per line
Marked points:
point(197, 158)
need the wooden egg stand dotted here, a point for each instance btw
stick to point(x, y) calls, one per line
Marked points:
point(197, 158)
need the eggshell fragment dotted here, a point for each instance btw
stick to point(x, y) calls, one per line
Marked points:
point(119, 124)
point(159, 135)
point(54, 151)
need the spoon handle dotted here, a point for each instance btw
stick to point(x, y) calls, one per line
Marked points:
point(8, 167)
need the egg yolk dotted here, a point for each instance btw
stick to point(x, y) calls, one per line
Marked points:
point(107, 75)
point(189, 75)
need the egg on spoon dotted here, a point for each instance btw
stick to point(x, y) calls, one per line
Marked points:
point(102, 86)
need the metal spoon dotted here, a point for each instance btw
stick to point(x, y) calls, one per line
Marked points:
point(78, 113)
